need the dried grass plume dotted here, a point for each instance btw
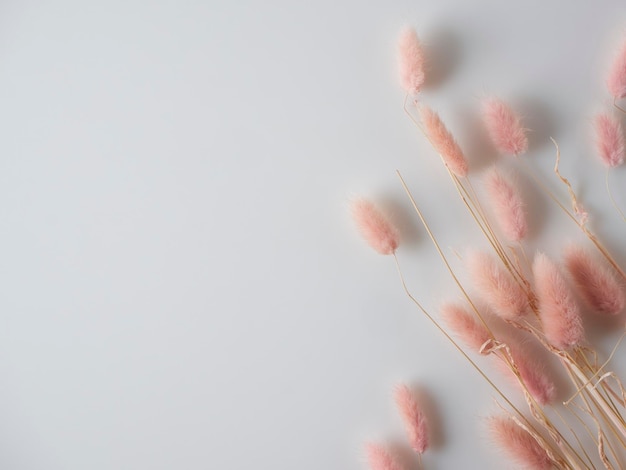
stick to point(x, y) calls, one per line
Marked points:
point(380, 458)
point(518, 444)
point(443, 142)
point(596, 283)
point(504, 127)
point(410, 61)
point(413, 417)
point(497, 286)
point(609, 140)
point(507, 204)
point(560, 316)
point(464, 325)
point(616, 80)
point(375, 227)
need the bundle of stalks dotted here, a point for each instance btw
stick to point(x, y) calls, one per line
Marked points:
point(531, 299)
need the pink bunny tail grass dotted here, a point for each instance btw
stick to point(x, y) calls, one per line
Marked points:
point(410, 61)
point(504, 127)
point(465, 325)
point(609, 140)
point(443, 142)
point(375, 227)
point(414, 420)
point(532, 373)
point(497, 287)
point(596, 283)
point(508, 205)
point(380, 458)
point(518, 444)
point(558, 309)
point(616, 81)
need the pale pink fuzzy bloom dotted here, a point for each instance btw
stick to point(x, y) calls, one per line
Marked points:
point(616, 81)
point(596, 283)
point(504, 127)
point(507, 204)
point(414, 420)
point(375, 227)
point(380, 458)
point(558, 309)
point(533, 374)
point(610, 140)
point(443, 142)
point(497, 286)
point(518, 444)
point(465, 325)
point(410, 61)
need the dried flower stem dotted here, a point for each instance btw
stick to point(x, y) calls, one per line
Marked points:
point(569, 453)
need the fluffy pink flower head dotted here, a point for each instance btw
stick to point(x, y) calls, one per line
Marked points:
point(504, 127)
point(443, 142)
point(596, 283)
point(380, 458)
point(497, 287)
point(410, 61)
point(560, 316)
point(518, 444)
point(610, 140)
point(507, 204)
point(533, 374)
point(414, 420)
point(616, 81)
point(375, 227)
point(465, 325)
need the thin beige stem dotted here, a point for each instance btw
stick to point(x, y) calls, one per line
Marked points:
point(474, 365)
point(597, 372)
point(582, 226)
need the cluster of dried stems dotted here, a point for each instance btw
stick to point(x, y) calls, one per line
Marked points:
point(514, 297)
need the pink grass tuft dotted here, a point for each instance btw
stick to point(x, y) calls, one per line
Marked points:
point(444, 142)
point(497, 286)
point(616, 81)
point(504, 127)
point(609, 140)
point(508, 205)
point(518, 444)
point(410, 61)
point(380, 458)
point(414, 420)
point(533, 374)
point(596, 283)
point(559, 311)
point(465, 325)
point(375, 227)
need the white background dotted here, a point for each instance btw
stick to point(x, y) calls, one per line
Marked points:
point(181, 286)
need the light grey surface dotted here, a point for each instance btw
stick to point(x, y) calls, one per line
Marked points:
point(181, 286)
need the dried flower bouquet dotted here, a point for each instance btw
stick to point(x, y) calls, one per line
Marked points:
point(514, 295)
